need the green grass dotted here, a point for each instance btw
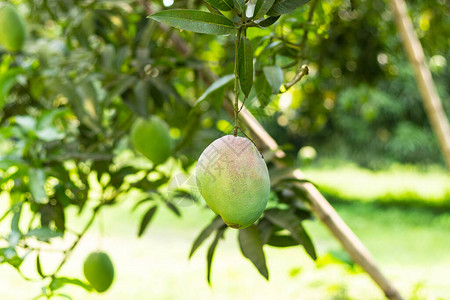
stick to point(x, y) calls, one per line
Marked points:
point(410, 244)
point(400, 185)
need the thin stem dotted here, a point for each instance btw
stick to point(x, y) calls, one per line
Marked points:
point(251, 141)
point(86, 227)
point(303, 71)
point(242, 105)
point(236, 82)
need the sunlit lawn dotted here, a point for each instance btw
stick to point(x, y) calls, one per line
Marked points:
point(411, 245)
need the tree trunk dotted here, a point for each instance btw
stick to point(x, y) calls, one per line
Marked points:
point(430, 97)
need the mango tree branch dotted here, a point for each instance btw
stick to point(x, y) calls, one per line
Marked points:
point(304, 70)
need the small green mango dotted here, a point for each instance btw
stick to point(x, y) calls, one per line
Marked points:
point(99, 271)
point(233, 179)
point(151, 138)
point(12, 28)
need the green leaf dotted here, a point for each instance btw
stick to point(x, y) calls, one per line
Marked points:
point(251, 247)
point(274, 76)
point(15, 234)
point(27, 123)
point(265, 230)
point(7, 80)
point(146, 220)
point(342, 256)
point(245, 65)
point(38, 266)
point(288, 220)
point(10, 256)
point(282, 241)
point(195, 20)
point(240, 4)
point(37, 180)
point(44, 233)
point(261, 8)
point(12, 208)
point(210, 254)
point(224, 5)
point(59, 282)
point(284, 6)
point(206, 232)
point(48, 117)
point(173, 208)
point(50, 134)
point(219, 83)
point(269, 21)
point(263, 90)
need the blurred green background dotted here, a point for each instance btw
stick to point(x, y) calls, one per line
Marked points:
point(355, 125)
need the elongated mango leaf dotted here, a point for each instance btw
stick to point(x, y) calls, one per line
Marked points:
point(7, 80)
point(263, 90)
point(219, 83)
point(195, 20)
point(15, 233)
point(288, 220)
point(211, 250)
point(38, 266)
point(206, 232)
point(224, 5)
point(282, 241)
point(269, 21)
point(37, 181)
point(261, 8)
point(274, 76)
point(240, 4)
point(251, 247)
point(146, 220)
point(59, 282)
point(245, 65)
point(265, 230)
point(44, 233)
point(284, 6)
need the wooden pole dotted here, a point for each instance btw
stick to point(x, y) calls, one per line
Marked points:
point(424, 80)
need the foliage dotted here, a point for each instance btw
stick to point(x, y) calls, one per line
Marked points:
point(68, 100)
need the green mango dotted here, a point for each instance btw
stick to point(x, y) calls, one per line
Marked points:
point(233, 179)
point(99, 271)
point(12, 28)
point(151, 138)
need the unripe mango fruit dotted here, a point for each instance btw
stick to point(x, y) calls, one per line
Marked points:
point(12, 28)
point(151, 138)
point(99, 271)
point(233, 179)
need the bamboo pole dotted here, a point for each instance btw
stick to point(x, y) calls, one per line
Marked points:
point(424, 80)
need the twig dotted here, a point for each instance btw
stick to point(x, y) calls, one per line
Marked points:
point(242, 105)
point(303, 71)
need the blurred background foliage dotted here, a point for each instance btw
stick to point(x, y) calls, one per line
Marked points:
point(90, 68)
